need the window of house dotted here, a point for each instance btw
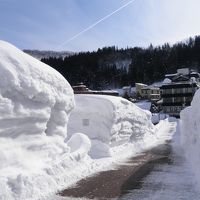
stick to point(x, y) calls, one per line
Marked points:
point(177, 90)
point(190, 90)
point(167, 109)
point(186, 90)
point(168, 100)
point(178, 99)
point(181, 90)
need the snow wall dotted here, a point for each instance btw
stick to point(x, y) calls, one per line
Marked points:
point(108, 121)
point(35, 102)
point(190, 134)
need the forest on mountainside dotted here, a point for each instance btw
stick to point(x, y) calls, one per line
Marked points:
point(111, 67)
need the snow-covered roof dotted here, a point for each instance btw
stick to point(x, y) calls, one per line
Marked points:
point(167, 81)
point(150, 88)
point(140, 84)
point(171, 75)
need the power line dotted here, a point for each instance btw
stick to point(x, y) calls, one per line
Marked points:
point(94, 24)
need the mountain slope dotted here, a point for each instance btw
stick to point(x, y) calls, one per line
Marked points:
point(47, 54)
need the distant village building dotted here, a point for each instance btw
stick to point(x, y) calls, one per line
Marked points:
point(151, 93)
point(80, 88)
point(178, 94)
point(138, 89)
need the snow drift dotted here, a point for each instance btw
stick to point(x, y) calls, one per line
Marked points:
point(35, 102)
point(108, 121)
point(190, 129)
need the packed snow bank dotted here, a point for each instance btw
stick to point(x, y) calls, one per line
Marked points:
point(190, 130)
point(79, 145)
point(35, 102)
point(108, 121)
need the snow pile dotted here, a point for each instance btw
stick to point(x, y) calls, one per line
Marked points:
point(35, 102)
point(108, 121)
point(190, 129)
point(79, 145)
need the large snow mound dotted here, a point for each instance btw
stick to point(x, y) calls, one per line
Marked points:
point(108, 121)
point(35, 102)
point(190, 129)
point(33, 96)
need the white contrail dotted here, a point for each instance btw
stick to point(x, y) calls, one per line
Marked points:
point(94, 24)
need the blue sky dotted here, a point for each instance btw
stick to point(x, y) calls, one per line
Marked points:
point(48, 24)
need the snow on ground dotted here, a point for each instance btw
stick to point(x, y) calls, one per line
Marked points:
point(190, 129)
point(109, 121)
point(145, 105)
point(37, 157)
point(156, 117)
point(125, 90)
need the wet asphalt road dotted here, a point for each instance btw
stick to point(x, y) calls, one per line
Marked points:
point(170, 179)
